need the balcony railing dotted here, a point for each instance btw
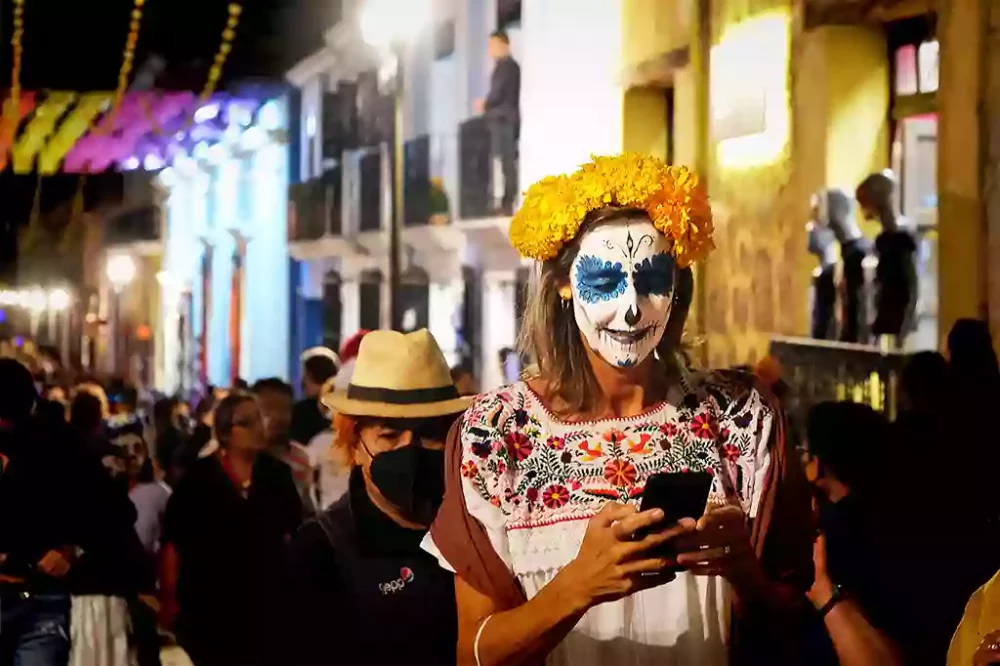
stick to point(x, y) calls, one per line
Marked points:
point(475, 164)
point(817, 371)
point(316, 207)
point(141, 225)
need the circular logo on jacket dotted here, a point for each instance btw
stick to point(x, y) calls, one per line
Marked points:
point(406, 574)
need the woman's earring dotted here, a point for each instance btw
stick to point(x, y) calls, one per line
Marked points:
point(566, 294)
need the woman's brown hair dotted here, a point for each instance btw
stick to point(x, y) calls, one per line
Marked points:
point(551, 338)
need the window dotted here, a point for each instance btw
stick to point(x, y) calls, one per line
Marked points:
point(508, 13)
point(331, 310)
point(928, 55)
point(370, 297)
point(906, 70)
point(444, 40)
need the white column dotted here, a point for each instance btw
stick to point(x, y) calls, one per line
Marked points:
point(498, 326)
point(350, 300)
point(445, 308)
point(571, 90)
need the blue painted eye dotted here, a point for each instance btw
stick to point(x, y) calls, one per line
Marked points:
point(654, 275)
point(598, 280)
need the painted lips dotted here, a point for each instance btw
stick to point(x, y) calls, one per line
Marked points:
point(628, 337)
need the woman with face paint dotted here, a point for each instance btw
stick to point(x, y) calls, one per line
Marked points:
point(361, 589)
point(545, 476)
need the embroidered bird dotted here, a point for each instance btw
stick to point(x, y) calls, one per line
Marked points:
point(591, 453)
point(642, 446)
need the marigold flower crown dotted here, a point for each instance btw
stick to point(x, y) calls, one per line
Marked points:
point(673, 196)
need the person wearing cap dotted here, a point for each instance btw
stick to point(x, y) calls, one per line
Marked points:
point(319, 365)
point(356, 577)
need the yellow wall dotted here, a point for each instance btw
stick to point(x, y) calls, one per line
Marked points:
point(963, 238)
point(654, 27)
point(645, 121)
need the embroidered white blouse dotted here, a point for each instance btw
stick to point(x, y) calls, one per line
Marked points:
point(533, 481)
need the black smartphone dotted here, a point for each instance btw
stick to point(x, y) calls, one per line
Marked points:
point(678, 495)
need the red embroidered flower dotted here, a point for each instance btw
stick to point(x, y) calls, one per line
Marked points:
point(555, 496)
point(669, 429)
point(495, 501)
point(556, 443)
point(614, 436)
point(518, 445)
point(620, 472)
point(574, 484)
point(532, 494)
point(704, 426)
point(732, 452)
point(469, 469)
point(501, 468)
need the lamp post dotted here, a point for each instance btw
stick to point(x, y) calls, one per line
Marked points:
point(120, 271)
point(389, 26)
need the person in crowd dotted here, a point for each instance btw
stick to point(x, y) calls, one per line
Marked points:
point(67, 530)
point(502, 107)
point(274, 397)
point(149, 496)
point(331, 469)
point(348, 355)
point(896, 247)
point(464, 381)
point(319, 365)
point(977, 639)
point(223, 534)
point(973, 359)
point(359, 568)
point(545, 475)
point(86, 417)
point(169, 433)
point(39, 541)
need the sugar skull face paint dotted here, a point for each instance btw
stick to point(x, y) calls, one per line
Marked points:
point(623, 285)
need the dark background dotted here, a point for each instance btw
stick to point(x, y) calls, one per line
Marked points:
point(77, 45)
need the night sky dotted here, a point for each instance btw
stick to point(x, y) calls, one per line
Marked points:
point(77, 45)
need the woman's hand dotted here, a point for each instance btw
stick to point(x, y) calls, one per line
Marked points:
point(988, 651)
point(610, 564)
point(719, 546)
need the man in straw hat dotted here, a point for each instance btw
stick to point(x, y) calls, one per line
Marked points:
point(359, 567)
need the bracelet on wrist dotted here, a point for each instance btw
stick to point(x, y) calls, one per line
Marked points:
point(834, 599)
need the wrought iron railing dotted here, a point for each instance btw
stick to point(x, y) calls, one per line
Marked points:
point(316, 207)
point(816, 371)
point(476, 182)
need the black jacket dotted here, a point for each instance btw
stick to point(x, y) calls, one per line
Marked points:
point(503, 102)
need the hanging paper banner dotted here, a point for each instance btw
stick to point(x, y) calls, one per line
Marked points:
point(10, 121)
point(42, 125)
point(71, 130)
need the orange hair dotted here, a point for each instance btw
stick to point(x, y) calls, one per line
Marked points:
point(346, 439)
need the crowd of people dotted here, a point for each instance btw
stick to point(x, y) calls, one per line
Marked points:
point(392, 517)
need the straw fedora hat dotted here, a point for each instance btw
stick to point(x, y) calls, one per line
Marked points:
point(399, 375)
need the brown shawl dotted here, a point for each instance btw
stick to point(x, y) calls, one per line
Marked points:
point(782, 537)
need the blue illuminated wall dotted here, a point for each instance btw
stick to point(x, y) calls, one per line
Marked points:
point(247, 191)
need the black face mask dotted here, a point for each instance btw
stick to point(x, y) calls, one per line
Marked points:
point(412, 478)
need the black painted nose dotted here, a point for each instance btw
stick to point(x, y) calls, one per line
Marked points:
point(633, 315)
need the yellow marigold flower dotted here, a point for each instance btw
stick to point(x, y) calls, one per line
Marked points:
point(673, 196)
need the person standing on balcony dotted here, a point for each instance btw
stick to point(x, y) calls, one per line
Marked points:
point(502, 107)
point(896, 275)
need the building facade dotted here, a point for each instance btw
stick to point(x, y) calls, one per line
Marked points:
point(223, 278)
point(770, 100)
point(459, 275)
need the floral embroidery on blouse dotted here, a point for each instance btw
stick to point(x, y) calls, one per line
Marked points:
point(539, 470)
